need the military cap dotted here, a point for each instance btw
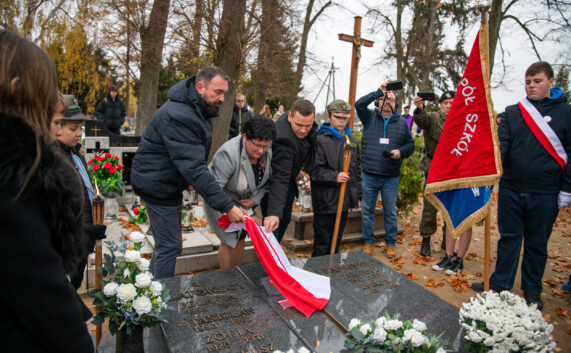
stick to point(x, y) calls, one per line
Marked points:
point(339, 106)
point(73, 109)
point(447, 95)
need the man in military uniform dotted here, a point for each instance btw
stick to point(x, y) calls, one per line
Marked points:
point(432, 124)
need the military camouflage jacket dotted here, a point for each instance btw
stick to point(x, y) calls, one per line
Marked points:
point(432, 123)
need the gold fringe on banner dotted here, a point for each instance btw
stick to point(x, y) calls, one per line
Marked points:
point(487, 180)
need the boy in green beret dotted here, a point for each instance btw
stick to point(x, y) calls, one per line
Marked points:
point(69, 136)
point(327, 176)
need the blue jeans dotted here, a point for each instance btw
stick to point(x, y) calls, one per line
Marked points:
point(528, 217)
point(166, 228)
point(389, 188)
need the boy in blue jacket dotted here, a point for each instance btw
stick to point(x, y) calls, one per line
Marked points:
point(327, 176)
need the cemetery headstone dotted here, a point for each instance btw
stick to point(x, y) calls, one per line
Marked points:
point(98, 139)
point(240, 311)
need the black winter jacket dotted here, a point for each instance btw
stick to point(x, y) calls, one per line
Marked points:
point(173, 151)
point(527, 165)
point(239, 116)
point(40, 310)
point(112, 112)
point(327, 163)
point(397, 132)
point(289, 153)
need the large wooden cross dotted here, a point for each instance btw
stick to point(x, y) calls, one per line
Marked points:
point(357, 43)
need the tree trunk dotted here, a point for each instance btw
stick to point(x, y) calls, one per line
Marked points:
point(152, 42)
point(228, 58)
point(264, 55)
point(495, 22)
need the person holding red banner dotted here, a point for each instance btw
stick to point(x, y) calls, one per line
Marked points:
point(432, 124)
point(535, 140)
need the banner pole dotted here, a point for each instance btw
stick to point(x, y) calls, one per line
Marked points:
point(485, 57)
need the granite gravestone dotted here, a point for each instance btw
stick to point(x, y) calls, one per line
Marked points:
point(98, 140)
point(238, 311)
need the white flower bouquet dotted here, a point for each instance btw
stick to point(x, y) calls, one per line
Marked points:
point(391, 335)
point(503, 322)
point(129, 297)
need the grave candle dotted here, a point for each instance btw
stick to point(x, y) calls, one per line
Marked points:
point(97, 212)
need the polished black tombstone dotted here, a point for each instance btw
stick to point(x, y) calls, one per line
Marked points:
point(363, 288)
point(223, 312)
point(239, 311)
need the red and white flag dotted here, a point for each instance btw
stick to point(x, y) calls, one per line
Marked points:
point(306, 291)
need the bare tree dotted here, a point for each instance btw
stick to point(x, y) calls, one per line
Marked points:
point(308, 22)
point(152, 42)
point(550, 21)
point(422, 62)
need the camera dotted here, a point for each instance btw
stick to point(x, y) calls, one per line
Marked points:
point(394, 86)
point(387, 154)
point(427, 96)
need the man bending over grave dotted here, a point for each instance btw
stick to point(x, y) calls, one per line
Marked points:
point(296, 134)
point(172, 156)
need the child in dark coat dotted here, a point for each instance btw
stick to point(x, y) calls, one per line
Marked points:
point(327, 176)
point(69, 136)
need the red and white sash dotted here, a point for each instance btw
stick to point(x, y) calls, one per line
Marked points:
point(543, 132)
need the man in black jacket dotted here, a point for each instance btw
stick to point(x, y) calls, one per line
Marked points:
point(536, 180)
point(296, 133)
point(111, 110)
point(240, 114)
point(172, 156)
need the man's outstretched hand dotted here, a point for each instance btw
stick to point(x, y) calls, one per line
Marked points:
point(271, 223)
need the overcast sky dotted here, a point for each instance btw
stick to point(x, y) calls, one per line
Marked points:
point(325, 46)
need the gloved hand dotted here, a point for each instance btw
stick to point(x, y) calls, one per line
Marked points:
point(564, 199)
point(96, 231)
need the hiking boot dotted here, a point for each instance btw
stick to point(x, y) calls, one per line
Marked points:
point(444, 263)
point(391, 252)
point(533, 299)
point(425, 247)
point(457, 265)
point(368, 249)
point(479, 287)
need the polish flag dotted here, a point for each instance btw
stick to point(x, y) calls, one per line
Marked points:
point(306, 291)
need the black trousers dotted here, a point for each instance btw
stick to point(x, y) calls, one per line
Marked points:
point(323, 226)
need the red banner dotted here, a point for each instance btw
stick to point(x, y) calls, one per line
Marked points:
point(466, 146)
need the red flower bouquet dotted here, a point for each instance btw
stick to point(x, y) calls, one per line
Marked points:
point(105, 169)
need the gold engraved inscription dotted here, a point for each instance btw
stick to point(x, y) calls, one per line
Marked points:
point(209, 290)
point(260, 348)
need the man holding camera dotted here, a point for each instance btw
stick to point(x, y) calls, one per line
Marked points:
point(432, 123)
point(386, 140)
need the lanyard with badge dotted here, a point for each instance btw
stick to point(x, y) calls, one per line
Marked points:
point(384, 140)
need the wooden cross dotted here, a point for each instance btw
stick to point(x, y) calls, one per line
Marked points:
point(357, 43)
point(95, 129)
